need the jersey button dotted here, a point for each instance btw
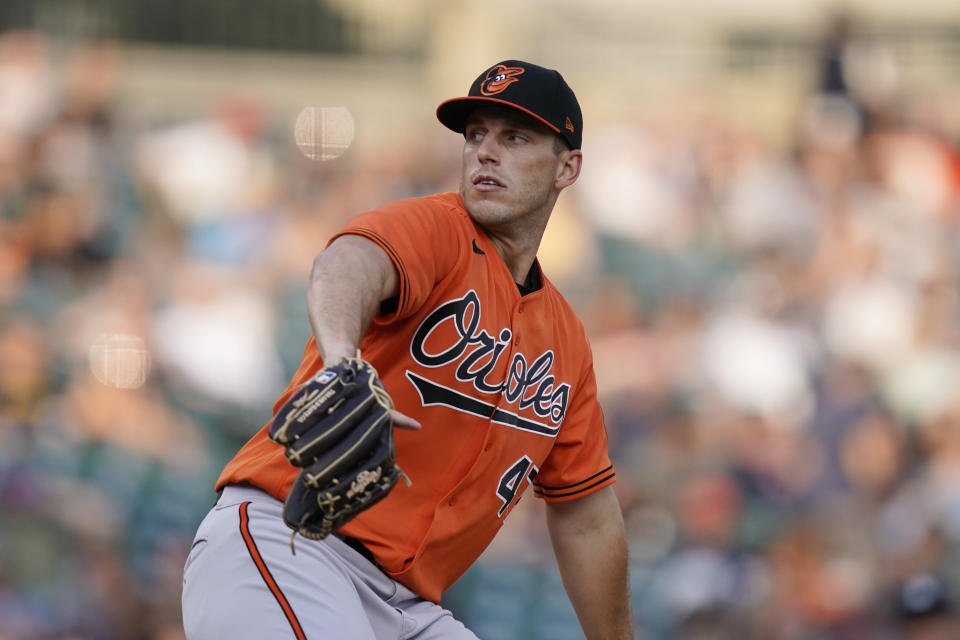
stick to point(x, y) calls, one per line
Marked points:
point(487, 447)
point(452, 501)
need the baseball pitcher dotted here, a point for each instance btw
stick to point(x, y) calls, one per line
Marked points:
point(445, 375)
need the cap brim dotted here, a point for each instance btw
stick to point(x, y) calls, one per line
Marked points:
point(453, 113)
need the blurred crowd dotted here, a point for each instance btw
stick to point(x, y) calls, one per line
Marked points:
point(776, 331)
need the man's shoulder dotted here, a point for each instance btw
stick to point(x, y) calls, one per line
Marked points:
point(438, 219)
point(551, 291)
point(436, 202)
point(563, 311)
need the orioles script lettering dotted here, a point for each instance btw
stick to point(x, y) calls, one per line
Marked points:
point(477, 356)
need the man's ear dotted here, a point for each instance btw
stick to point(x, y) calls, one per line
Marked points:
point(569, 168)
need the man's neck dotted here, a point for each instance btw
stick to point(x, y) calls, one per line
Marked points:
point(518, 257)
point(518, 243)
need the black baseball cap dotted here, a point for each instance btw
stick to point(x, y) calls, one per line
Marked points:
point(534, 90)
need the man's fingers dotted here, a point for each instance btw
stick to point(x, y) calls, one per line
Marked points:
point(401, 421)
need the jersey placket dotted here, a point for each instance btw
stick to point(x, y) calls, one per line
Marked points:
point(497, 437)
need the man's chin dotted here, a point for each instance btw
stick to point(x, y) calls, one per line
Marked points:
point(483, 209)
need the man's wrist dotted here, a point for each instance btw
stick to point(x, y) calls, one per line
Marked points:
point(334, 353)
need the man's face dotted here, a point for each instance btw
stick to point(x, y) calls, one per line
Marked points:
point(511, 171)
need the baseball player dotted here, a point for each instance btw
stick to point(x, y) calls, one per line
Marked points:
point(439, 312)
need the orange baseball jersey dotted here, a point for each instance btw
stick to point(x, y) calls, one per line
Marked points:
point(503, 385)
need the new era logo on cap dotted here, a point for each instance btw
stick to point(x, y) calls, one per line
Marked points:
point(537, 91)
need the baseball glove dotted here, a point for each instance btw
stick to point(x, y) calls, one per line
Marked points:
point(337, 427)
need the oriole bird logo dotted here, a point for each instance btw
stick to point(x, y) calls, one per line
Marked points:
point(499, 78)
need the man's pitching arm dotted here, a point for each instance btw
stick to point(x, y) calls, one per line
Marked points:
point(349, 280)
point(590, 543)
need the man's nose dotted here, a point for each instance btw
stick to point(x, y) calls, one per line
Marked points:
point(488, 150)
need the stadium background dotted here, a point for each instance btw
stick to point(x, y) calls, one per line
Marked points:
point(763, 246)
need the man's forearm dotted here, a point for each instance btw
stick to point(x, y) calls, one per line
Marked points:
point(347, 284)
point(590, 544)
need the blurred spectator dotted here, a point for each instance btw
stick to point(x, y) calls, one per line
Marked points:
point(211, 169)
point(923, 609)
point(25, 74)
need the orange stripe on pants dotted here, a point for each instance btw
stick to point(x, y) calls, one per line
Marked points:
point(266, 575)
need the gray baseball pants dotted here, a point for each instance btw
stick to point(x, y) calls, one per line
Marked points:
point(242, 581)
